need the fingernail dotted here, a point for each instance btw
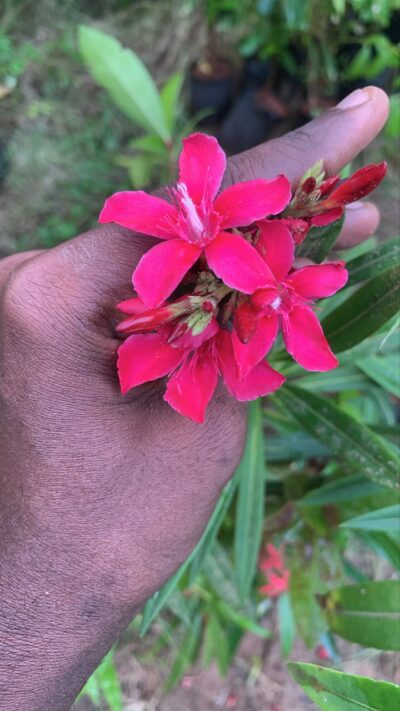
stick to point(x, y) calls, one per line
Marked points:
point(358, 205)
point(356, 98)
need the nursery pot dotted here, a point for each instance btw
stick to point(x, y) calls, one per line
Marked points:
point(212, 88)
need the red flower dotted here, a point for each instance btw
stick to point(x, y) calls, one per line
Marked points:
point(192, 364)
point(273, 567)
point(287, 302)
point(197, 221)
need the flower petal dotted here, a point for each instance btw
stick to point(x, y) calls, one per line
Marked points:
point(276, 246)
point(161, 269)
point(325, 218)
point(318, 280)
point(237, 263)
point(133, 306)
point(244, 203)
point(305, 341)
point(249, 354)
point(141, 212)
point(202, 165)
point(261, 380)
point(191, 388)
point(142, 358)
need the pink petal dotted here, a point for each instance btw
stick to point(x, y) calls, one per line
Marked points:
point(319, 280)
point(133, 306)
point(142, 358)
point(305, 341)
point(202, 165)
point(249, 354)
point(276, 247)
point(141, 212)
point(237, 263)
point(161, 269)
point(244, 203)
point(262, 380)
point(325, 218)
point(191, 388)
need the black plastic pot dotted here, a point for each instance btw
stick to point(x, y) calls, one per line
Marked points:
point(247, 123)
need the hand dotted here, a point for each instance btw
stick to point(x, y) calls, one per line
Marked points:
point(103, 496)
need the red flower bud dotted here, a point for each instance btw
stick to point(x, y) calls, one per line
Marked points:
point(328, 184)
point(309, 185)
point(245, 321)
point(357, 186)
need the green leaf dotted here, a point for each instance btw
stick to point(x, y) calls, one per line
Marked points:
point(384, 256)
point(368, 614)
point(125, 78)
point(387, 519)
point(185, 654)
point(335, 691)
point(170, 95)
point(105, 683)
point(250, 503)
point(384, 370)
point(320, 241)
point(216, 645)
point(352, 442)
point(245, 623)
point(286, 622)
point(304, 585)
point(213, 527)
point(369, 308)
point(344, 489)
point(383, 545)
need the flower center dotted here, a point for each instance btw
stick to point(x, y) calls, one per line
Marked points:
point(189, 213)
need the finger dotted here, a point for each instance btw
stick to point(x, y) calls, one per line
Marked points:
point(8, 264)
point(336, 136)
point(361, 221)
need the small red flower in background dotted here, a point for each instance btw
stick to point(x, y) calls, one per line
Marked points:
point(197, 221)
point(286, 302)
point(322, 653)
point(273, 567)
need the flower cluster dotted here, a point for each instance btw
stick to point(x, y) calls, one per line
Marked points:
point(273, 567)
point(213, 295)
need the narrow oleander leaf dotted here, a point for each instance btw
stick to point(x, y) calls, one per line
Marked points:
point(333, 690)
point(384, 256)
point(320, 241)
point(364, 312)
point(386, 520)
point(124, 76)
point(286, 623)
point(368, 613)
point(383, 544)
point(250, 503)
point(304, 585)
point(384, 370)
point(216, 644)
point(345, 489)
point(186, 654)
point(240, 620)
point(351, 442)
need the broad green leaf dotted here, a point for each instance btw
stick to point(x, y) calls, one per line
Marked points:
point(384, 256)
point(384, 342)
point(149, 144)
point(125, 78)
point(185, 655)
point(158, 600)
point(387, 519)
point(213, 527)
point(170, 95)
point(320, 241)
point(364, 312)
point(351, 441)
point(333, 690)
point(344, 489)
point(250, 503)
point(368, 614)
point(286, 623)
point(384, 370)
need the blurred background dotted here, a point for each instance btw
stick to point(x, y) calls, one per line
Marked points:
point(78, 121)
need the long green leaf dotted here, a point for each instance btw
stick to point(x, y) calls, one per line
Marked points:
point(125, 78)
point(387, 519)
point(364, 312)
point(384, 370)
point(333, 690)
point(344, 489)
point(185, 654)
point(320, 241)
point(286, 622)
point(348, 439)
point(250, 504)
point(368, 614)
point(384, 256)
point(170, 94)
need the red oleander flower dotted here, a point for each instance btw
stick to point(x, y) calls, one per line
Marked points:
point(286, 302)
point(273, 567)
point(192, 363)
point(197, 221)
